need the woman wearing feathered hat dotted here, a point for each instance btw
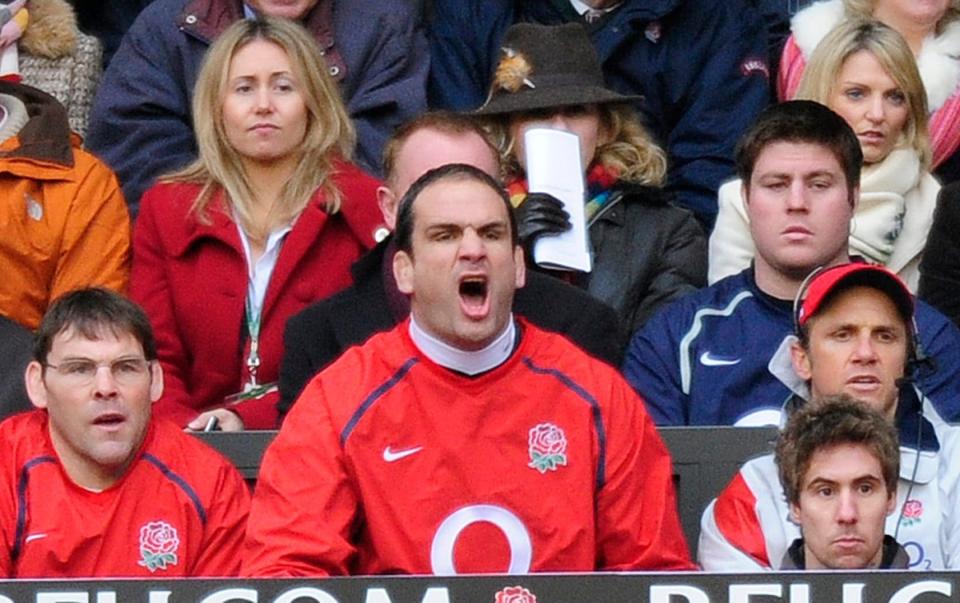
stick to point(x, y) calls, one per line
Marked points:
point(645, 250)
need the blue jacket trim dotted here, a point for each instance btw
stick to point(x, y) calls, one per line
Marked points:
point(22, 484)
point(373, 397)
point(169, 474)
point(594, 410)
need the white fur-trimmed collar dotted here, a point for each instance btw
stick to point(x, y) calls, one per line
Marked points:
point(939, 60)
point(810, 25)
point(939, 64)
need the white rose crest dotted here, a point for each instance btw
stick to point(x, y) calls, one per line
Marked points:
point(158, 545)
point(515, 594)
point(547, 447)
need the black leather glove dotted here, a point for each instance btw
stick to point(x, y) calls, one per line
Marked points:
point(540, 214)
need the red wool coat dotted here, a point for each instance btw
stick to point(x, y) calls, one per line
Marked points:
point(191, 278)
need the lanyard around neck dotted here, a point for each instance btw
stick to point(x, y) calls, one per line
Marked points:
point(253, 330)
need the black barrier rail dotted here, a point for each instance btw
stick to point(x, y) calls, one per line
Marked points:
point(704, 460)
point(798, 587)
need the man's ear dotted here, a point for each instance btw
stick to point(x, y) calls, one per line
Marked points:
point(855, 201)
point(891, 502)
point(745, 192)
point(520, 279)
point(156, 380)
point(795, 513)
point(801, 361)
point(403, 271)
point(388, 206)
point(36, 388)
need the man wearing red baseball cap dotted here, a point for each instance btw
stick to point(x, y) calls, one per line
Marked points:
point(855, 336)
point(855, 323)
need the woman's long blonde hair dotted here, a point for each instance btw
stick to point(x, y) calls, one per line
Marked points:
point(891, 51)
point(630, 151)
point(329, 132)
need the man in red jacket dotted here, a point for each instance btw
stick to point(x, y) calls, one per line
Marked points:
point(90, 485)
point(464, 439)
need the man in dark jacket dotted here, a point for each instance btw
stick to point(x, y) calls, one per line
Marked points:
point(320, 333)
point(718, 356)
point(141, 124)
point(700, 65)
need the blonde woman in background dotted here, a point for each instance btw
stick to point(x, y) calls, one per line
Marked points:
point(932, 30)
point(865, 72)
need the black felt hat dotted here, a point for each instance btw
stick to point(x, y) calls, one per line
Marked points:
point(543, 66)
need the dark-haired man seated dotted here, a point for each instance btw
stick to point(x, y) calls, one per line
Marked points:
point(90, 485)
point(838, 461)
point(854, 337)
point(720, 356)
point(464, 439)
point(317, 335)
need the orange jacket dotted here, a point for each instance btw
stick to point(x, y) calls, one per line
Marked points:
point(63, 219)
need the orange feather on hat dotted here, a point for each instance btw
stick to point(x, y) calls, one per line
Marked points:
point(512, 72)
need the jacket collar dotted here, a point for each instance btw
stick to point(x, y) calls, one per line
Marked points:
point(207, 19)
point(370, 264)
point(630, 10)
point(219, 226)
point(358, 216)
point(894, 556)
point(917, 434)
point(646, 10)
point(45, 138)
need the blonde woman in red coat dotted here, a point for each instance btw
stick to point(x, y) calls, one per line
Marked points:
point(266, 220)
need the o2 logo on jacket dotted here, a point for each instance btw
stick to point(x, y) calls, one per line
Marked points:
point(918, 556)
point(445, 539)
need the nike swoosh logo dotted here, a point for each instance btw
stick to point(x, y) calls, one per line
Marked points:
point(707, 360)
point(32, 537)
point(395, 455)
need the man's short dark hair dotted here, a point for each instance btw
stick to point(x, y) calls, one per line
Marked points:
point(451, 172)
point(828, 422)
point(446, 122)
point(801, 121)
point(92, 313)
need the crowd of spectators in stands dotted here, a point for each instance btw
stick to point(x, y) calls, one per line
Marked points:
point(320, 213)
